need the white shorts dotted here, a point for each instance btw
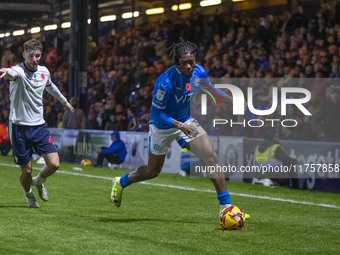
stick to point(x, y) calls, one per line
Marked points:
point(160, 139)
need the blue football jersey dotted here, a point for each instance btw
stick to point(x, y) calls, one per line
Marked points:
point(172, 95)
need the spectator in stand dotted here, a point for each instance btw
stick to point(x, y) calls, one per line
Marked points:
point(5, 143)
point(112, 124)
point(327, 121)
point(122, 121)
point(298, 19)
point(110, 109)
point(301, 47)
point(133, 119)
point(50, 116)
point(60, 119)
point(5, 116)
point(92, 122)
point(76, 119)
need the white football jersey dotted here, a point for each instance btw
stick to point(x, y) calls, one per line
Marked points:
point(26, 94)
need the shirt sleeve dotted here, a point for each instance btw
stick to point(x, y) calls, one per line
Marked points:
point(11, 74)
point(163, 91)
point(205, 83)
point(55, 92)
point(163, 117)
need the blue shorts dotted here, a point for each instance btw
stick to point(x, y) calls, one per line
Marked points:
point(27, 139)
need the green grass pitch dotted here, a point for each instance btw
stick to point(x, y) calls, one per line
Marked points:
point(80, 219)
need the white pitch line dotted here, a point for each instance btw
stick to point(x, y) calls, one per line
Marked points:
point(193, 189)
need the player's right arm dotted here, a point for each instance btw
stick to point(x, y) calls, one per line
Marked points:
point(163, 91)
point(190, 131)
point(9, 73)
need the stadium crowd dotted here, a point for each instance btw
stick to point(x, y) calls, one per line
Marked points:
point(123, 68)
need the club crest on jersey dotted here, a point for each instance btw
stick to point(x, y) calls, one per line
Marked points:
point(160, 95)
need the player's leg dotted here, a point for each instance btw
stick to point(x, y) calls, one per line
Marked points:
point(141, 173)
point(159, 141)
point(26, 181)
point(26, 176)
point(51, 165)
point(22, 157)
point(152, 170)
point(44, 145)
point(204, 149)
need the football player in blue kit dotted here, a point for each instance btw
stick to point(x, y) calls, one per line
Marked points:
point(27, 127)
point(170, 120)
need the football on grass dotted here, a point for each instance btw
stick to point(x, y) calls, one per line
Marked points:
point(86, 162)
point(232, 218)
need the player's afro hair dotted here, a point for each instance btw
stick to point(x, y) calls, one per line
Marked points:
point(176, 50)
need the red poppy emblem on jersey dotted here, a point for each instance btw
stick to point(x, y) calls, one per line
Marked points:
point(187, 87)
point(42, 76)
point(50, 139)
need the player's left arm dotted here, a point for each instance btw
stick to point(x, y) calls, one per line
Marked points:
point(163, 89)
point(229, 99)
point(67, 106)
point(55, 92)
point(207, 84)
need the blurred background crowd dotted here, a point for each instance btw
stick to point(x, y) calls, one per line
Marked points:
point(123, 68)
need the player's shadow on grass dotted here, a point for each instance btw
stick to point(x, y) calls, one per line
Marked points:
point(131, 220)
point(13, 206)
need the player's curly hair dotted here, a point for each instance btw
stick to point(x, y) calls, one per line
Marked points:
point(33, 44)
point(176, 50)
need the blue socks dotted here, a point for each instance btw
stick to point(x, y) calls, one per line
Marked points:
point(124, 181)
point(223, 198)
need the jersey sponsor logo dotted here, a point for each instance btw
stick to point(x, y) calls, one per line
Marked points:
point(160, 95)
point(185, 98)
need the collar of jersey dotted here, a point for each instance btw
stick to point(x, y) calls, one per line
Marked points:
point(179, 72)
point(29, 69)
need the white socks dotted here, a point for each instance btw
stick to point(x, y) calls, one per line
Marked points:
point(39, 180)
point(119, 182)
point(225, 206)
point(29, 192)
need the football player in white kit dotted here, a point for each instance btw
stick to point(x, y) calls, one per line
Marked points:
point(27, 127)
